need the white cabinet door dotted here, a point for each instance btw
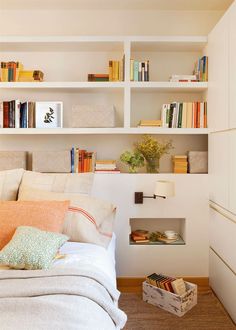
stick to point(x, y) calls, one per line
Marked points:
point(223, 282)
point(232, 171)
point(232, 64)
point(222, 233)
point(218, 52)
point(219, 168)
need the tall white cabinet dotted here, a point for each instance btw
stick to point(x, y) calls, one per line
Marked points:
point(222, 151)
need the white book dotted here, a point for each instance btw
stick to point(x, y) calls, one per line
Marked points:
point(184, 76)
point(164, 115)
point(174, 115)
point(202, 115)
point(17, 113)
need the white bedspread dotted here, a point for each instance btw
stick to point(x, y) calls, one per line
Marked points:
point(90, 255)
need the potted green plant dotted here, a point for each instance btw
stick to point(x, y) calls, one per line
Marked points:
point(152, 150)
point(133, 159)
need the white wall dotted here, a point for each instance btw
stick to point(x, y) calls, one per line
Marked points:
point(107, 22)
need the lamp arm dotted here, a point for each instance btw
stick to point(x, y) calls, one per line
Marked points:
point(154, 196)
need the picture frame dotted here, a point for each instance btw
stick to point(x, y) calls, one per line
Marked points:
point(49, 114)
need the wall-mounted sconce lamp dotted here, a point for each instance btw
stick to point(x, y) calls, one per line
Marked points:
point(163, 189)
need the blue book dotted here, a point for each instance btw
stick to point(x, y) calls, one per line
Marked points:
point(73, 160)
point(136, 67)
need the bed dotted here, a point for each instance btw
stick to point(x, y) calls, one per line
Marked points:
point(78, 291)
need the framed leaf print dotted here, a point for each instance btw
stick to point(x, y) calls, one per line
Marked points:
point(49, 114)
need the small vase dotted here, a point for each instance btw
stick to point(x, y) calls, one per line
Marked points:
point(152, 165)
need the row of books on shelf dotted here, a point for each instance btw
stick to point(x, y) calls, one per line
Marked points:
point(139, 71)
point(116, 72)
point(184, 115)
point(201, 69)
point(82, 160)
point(200, 72)
point(85, 161)
point(14, 71)
point(14, 114)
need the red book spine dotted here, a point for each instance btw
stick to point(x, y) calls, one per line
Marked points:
point(5, 114)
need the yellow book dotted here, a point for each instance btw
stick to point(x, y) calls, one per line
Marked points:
point(30, 75)
point(19, 68)
point(117, 70)
point(144, 122)
point(189, 114)
point(131, 70)
point(4, 72)
point(110, 70)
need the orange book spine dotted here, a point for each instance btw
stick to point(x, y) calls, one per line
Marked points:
point(205, 114)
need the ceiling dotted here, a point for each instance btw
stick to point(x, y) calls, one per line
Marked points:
point(221, 5)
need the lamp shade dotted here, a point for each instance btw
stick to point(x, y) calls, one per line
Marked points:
point(164, 188)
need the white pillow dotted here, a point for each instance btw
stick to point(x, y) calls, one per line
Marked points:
point(60, 182)
point(9, 184)
point(88, 220)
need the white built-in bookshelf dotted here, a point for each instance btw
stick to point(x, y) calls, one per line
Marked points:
point(66, 62)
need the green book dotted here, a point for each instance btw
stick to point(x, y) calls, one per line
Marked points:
point(180, 115)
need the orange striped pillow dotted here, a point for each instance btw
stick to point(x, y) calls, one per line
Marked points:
point(45, 215)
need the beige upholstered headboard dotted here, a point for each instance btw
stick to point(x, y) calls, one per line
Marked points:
point(39, 161)
point(10, 160)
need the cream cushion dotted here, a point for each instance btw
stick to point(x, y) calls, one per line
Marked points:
point(9, 184)
point(88, 220)
point(68, 183)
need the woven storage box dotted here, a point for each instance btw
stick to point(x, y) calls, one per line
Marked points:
point(93, 116)
point(198, 161)
point(51, 161)
point(173, 303)
point(10, 160)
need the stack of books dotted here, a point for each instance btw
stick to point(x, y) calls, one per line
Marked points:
point(183, 78)
point(180, 164)
point(140, 236)
point(201, 69)
point(82, 160)
point(106, 166)
point(14, 71)
point(16, 114)
point(31, 76)
point(139, 71)
point(117, 70)
point(167, 283)
point(98, 77)
point(184, 115)
point(10, 71)
point(144, 122)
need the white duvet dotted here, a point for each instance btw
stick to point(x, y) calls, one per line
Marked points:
point(75, 254)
